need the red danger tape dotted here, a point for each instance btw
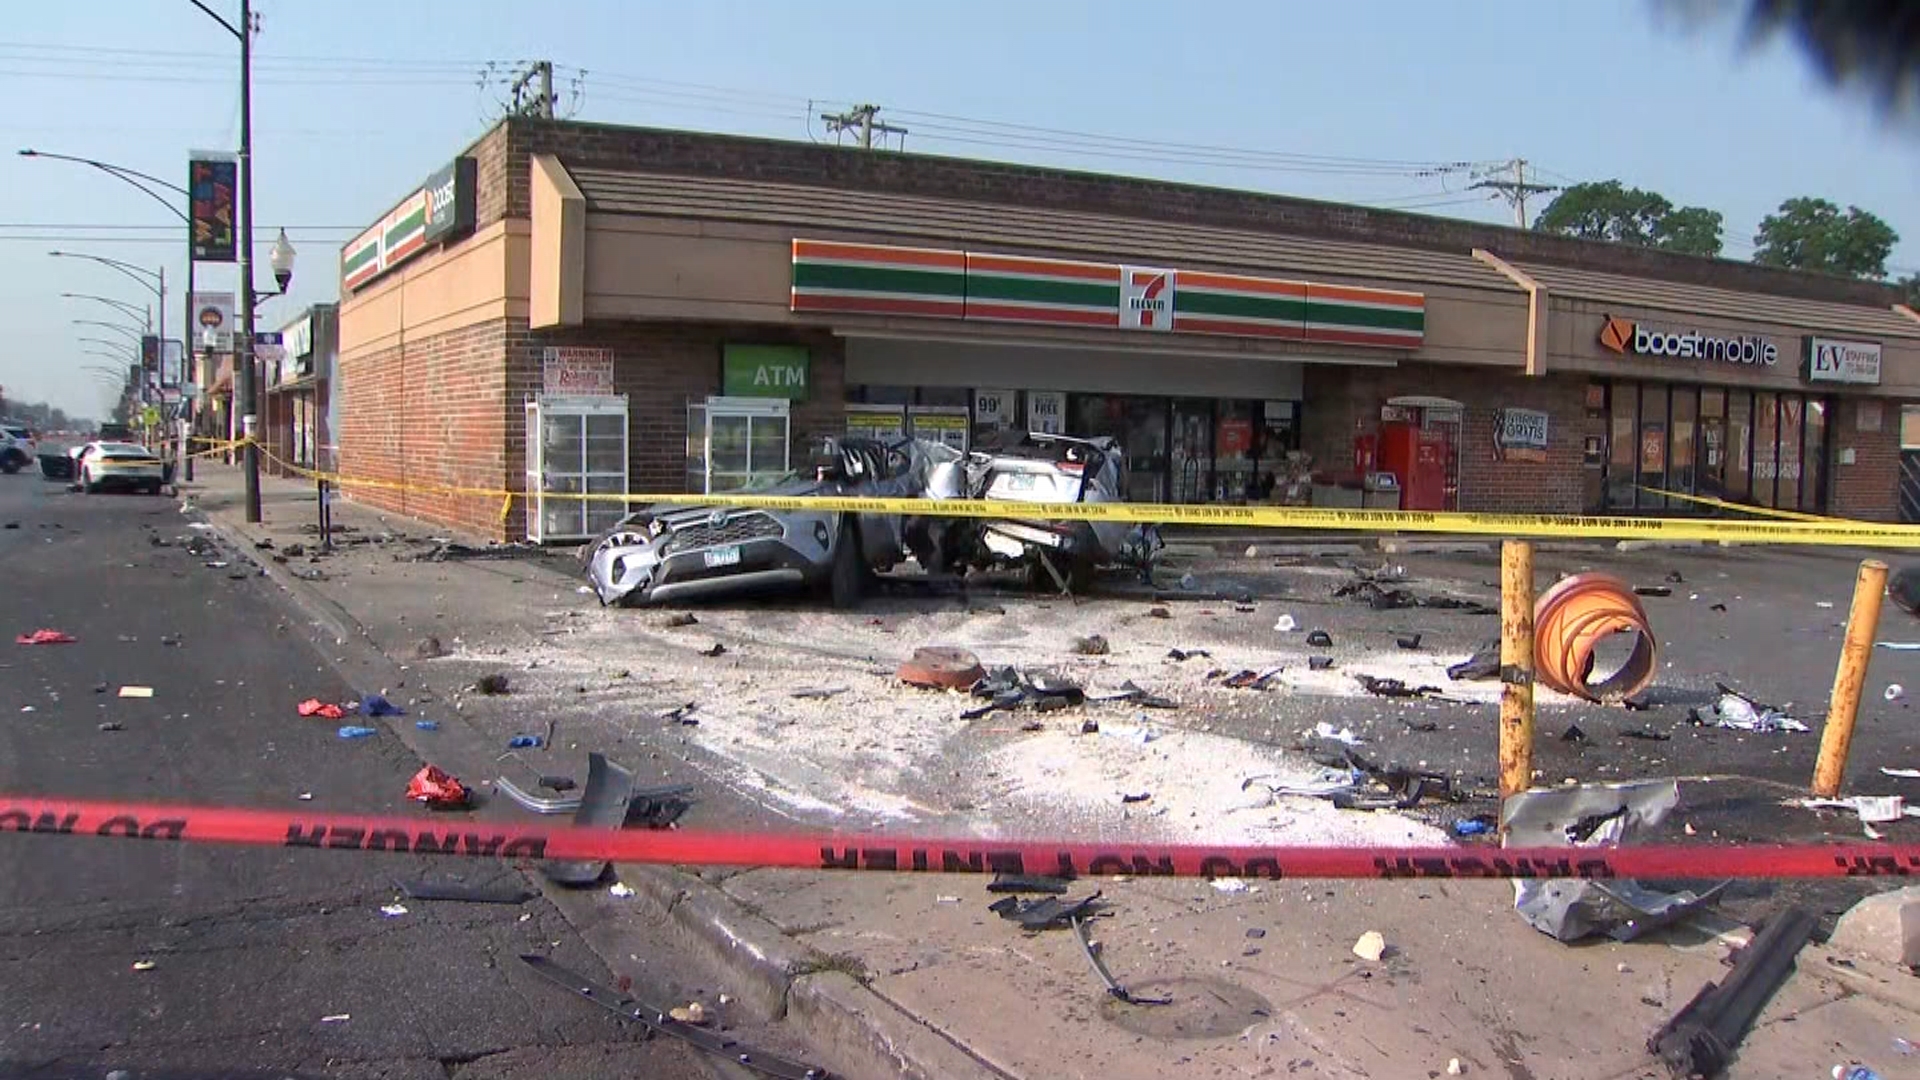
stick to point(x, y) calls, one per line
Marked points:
point(485, 839)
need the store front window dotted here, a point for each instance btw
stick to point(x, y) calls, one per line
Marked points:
point(1756, 447)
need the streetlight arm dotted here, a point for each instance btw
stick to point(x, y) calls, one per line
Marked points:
point(216, 17)
point(137, 273)
point(134, 177)
point(127, 330)
point(130, 309)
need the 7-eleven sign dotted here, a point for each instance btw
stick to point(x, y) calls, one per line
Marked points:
point(1146, 299)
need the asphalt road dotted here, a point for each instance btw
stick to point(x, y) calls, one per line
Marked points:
point(188, 961)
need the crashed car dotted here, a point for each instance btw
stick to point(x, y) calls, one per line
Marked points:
point(1037, 467)
point(672, 553)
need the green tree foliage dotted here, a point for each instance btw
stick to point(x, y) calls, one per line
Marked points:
point(1813, 234)
point(1607, 210)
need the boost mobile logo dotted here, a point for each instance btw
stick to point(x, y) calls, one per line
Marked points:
point(1627, 337)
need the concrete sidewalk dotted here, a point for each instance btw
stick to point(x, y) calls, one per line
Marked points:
point(909, 975)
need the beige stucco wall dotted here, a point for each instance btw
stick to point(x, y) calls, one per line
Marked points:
point(483, 277)
point(1574, 345)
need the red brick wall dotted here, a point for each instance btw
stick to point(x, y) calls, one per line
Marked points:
point(1868, 489)
point(1339, 399)
point(431, 413)
point(503, 154)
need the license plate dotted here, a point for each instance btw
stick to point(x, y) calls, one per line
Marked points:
point(723, 556)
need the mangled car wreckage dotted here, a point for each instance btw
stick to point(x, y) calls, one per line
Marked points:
point(668, 553)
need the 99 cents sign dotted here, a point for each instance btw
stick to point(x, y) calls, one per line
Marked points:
point(993, 408)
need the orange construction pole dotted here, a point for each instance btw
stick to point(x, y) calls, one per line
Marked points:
point(1863, 621)
point(1516, 666)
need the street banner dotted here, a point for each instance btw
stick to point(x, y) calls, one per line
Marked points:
point(213, 321)
point(212, 180)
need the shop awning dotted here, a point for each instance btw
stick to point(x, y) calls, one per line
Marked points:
point(919, 219)
point(1859, 319)
point(297, 386)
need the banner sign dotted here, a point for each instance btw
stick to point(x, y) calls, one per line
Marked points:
point(576, 372)
point(438, 210)
point(212, 181)
point(765, 371)
point(213, 321)
point(1854, 362)
point(1520, 435)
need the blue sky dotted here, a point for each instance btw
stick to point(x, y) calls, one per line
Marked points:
point(357, 100)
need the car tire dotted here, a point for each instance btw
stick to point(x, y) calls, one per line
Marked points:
point(12, 463)
point(87, 484)
point(847, 578)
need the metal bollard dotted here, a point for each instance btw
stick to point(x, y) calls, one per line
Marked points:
point(1863, 621)
point(1516, 666)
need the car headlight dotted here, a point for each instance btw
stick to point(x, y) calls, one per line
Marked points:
point(656, 527)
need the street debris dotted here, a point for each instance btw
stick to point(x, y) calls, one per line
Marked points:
point(605, 805)
point(1130, 694)
point(1285, 624)
point(336, 1018)
point(624, 1004)
point(821, 693)
point(1319, 663)
point(939, 667)
point(1898, 646)
point(1135, 797)
point(1089, 726)
point(1371, 946)
point(492, 685)
point(691, 1013)
point(1652, 590)
point(113, 725)
point(378, 705)
point(1156, 612)
point(1319, 639)
point(1483, 664)
point(1474, 826)
point(1393, 688)
point(1007, 688)
point(1872, 809)
point(1905, 774)
point(45, 637)
point(1178, 655)
point(715, 649)
point(434, 788)
point(1420, 726)
point(1742, 713)
point(1571, 618)
point(1700, 1039)
point(1823, 604)
point(1247, 679)
point(393, 911)
point(1894, 692)
point(1595, 815)
point(558, 783)
point(1454, 1068)
point(502, 891)
point(1112, 985)
point(1646, 734)
point(681, 714)
point(323, 709)
point(1037, 915)
point(1324, 730)
point(1229, 884)
point(426, 725)
point(136, 691)
point(1574, 734)
point(525, 742)
point(144, 965)
point(1027, 883)
point(352, 731)
point(1407, 641)
point(621, 890)
point(429, 648)
point(1091, 645)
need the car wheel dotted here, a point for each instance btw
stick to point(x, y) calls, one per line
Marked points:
point(847, 580)
point(87, 483)
point(11, 463)
point(153, 489)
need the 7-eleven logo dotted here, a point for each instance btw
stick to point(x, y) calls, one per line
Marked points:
point(1146, 299)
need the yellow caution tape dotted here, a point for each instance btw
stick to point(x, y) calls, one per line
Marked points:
point(1761, 511)
point(1816, 531)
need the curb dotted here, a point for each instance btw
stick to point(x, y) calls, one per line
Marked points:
point(857, 1032)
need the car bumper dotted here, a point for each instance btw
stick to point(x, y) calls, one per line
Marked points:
point(638, 573)
point(130, 478)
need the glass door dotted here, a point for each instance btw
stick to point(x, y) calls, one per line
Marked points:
point(747, 443)
point(576, 447)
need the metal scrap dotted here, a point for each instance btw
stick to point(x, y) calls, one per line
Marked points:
point(1131, 694)
point(1393, 688)
point(1700, 1039)
point(1008, 688)
point(1742, 713)
point(1113, 986)
point(1036, 915)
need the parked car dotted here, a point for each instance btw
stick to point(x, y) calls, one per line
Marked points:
point(668, 552)
point(1037, 467)
point(17, 449)
point(104, 466)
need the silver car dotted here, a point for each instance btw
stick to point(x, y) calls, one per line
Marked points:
point(669, 553)
point(1037, 467)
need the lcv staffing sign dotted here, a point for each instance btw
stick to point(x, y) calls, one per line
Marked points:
point(438, 210)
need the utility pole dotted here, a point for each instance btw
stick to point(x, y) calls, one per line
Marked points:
point(527, 101)
point(1516, 190)
point(860, 119)
point(243, 334)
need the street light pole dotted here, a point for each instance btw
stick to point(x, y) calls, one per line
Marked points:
point(243, 346)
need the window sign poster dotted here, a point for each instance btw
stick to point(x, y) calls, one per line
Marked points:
point(1520, 435)
point(993, 408)
point(942, 424)
point(1047, 411)
point(1653, 448)
point(887, 423)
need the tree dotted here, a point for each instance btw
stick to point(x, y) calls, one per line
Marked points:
point(1812, 234)
point(1606, 210)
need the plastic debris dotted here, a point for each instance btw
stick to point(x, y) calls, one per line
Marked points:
point(1898, 646)
point(524, 742)
point(143, 965)
point(1285, 624)
point(1177, 655)
point(1407, 641)
point(692, 1013)
point(1319, 639)
point(1652, 590)
point(136, 691)
point(336, 1018)
point(1472, 827)
point(1873, 809)
point(1393, 688)
point(716, 649)
point(350, 731)
point(620, 889)
point(1483, 664)
point(1736, 710)
point(323, 709)
point(1092, 645)
point(393, 911)
point(1319, 663)
point(1895, 692)
point(112, 725)
point(1904, 774)
point(1454, 1068)
point(426, 725)
point(1371, 946)
point(1248, 679)
point(45, 637)
point(434, 787)
point(1344, 735)
point(1152, 613)
point(1854, 1072)
point(378, 705)
point(1228, 885)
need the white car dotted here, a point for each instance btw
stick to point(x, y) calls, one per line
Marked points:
point(129, 466)
point(17, 448)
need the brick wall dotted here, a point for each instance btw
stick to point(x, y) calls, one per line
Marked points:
point(1868, 489)
point(505, 191)
point(431, 412)
point(1339, 400)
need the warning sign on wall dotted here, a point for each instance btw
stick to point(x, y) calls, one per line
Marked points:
point(576, 372)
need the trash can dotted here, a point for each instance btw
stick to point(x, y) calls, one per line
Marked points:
point(1380, 491)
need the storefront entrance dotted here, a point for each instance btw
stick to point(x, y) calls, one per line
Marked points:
point(1757, 447)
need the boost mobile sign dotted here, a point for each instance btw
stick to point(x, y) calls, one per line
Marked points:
point(1629, 338)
